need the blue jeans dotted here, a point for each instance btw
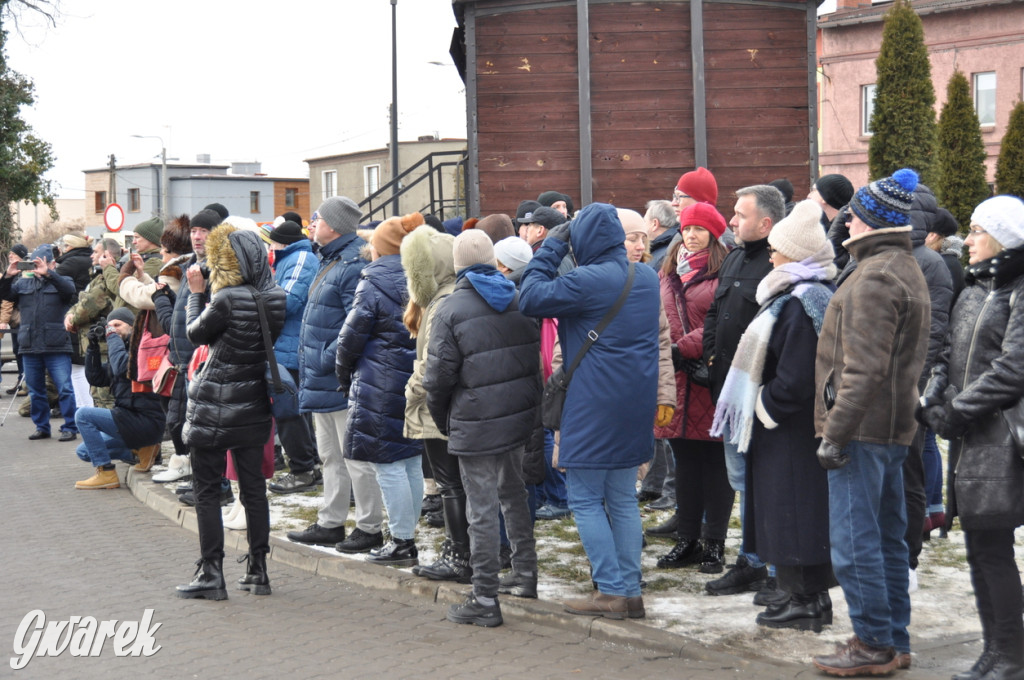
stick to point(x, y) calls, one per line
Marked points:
point(868, 517)
point(58, 365)
point(101, 441)
point(736, 466)
point(401, 485)
point(608, 519)
point(552, 490)
point(932, 474)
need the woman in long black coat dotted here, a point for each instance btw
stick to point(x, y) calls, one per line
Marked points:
point(228, 406)
point(973, 400)
point(768, 400)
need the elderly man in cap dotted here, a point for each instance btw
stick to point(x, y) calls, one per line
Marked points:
point(44, 296)
point(537, 224)
point(136, 422)
point(330, 299)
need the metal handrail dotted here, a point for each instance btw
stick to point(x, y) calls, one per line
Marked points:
point(438, 203)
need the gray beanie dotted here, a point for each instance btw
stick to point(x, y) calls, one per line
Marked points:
point(341, 214)
point(122, 314)
point(472, 247)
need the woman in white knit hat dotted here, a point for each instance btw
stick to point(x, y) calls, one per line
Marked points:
point(768, 403)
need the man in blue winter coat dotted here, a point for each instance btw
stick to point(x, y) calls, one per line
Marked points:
point(330, 299)
point(608, 417)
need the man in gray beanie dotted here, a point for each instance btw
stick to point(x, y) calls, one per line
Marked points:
point(330, 299)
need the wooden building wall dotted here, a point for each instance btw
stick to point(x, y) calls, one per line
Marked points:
point(641, 96)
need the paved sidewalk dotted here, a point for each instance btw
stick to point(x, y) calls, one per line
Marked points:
point(107, 555)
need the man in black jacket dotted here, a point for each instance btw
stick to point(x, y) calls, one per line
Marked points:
point(758, 209)
point(135, 422)
point(487, 409)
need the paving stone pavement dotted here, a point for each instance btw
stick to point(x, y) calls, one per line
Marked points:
point(107, 555)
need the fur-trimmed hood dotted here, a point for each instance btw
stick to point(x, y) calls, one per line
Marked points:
point(428, 261)
point(235, 258)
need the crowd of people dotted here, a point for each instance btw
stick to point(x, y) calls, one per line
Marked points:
point(494, 372)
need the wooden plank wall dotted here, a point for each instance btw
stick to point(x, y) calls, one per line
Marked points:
point(527, 107)
point(756, 84)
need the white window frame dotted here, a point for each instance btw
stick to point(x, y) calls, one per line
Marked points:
point(867, 108)
point(371, 179)
point(329, 183)
point(989, 104)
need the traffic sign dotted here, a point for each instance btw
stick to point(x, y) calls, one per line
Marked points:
point(113, 217)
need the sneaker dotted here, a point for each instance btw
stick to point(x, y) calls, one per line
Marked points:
point(11, 390)
point(315, 534)
point(397, 552)
point(520, 585)
point(294, 483)
point(435, 519)
point(857, 658)
point(226, 497)
point(770, 595)
point(103, 479)
point(184, 487)
point(552, 512)
point(179, 468)
point(360, 542)
point(431, 503)
point(478, 614)
point(740, 578)
point(67, 436)
point(279, 462)
point(39, 434)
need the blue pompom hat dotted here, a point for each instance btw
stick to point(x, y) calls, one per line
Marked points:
point(885, 203)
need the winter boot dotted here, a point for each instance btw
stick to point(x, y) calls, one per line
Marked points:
point(105, 478)
point(255, 580)
point(451, 565)
point(398, 552)
point(713, 559)
point(147, 455)
point(208, 583)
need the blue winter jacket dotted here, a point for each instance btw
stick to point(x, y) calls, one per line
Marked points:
point(608, 417)
point(330, 299)
point(43, 302)
point(294, 270)
point(374, 362)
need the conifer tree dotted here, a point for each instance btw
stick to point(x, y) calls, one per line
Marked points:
point(903, 121)
point(1010, 166)
point(961, 153)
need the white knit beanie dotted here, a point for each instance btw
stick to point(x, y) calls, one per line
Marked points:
point(1003, 218)
point(799, 235)
point(513, 252)
point(472, 247)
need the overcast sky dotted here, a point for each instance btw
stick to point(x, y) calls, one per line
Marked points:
point(276, 82)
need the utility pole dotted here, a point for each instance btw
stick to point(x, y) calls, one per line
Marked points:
point(112, 196)
point(394, 108)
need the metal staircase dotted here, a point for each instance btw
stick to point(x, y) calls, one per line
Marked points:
point(431, 168)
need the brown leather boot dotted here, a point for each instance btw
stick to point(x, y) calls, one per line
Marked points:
point(146, 455)
point(857, 658)
point(599, 604)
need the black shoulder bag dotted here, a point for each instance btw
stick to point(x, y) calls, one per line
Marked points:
point(284, 398)
point(557, 385)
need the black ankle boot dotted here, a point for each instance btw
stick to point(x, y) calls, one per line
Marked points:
point(255, 580)
point(825, 602)
point(801, 612)
point(686, 551)
point(208, 582)
point(451, 565)
point(713, 560)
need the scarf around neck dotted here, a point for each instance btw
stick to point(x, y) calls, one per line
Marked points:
point(693, 264)
point(800, 280)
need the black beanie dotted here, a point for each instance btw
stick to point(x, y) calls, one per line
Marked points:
point(291, 216)
point(785, 187)
point(219, 209)
point(206, 219)
point(19, 250)
point(835, 190)
point(944, 224)
point(433, 221)
point(287, 232)
point(122, 314)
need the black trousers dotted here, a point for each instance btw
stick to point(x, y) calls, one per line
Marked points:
point(702, 489)
point(453, 496)
point(806, 579)
point(208, 467)
point(997, 592)
point(914, 495)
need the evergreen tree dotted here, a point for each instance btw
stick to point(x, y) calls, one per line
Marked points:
point(24, 158)
point(903, 122)
point(961, 153)
point(1010, 167)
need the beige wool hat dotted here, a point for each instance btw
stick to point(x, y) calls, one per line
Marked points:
point(800, 235)
point(473, 247)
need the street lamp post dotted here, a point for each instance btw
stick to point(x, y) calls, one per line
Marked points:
point(394, 108)
point(164, 211)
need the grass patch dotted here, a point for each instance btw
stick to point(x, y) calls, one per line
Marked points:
point(307, 514)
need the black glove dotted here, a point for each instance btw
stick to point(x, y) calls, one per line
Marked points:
point(678, 362)
point(97, 333)
point(932, 394)
point(946, 421)
point(561, 232)
point(830, 456)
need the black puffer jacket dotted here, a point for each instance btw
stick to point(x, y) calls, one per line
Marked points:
point(984, 361)
point(76, 264)
point(138, 416)
point(227, 398)
point(483, 378)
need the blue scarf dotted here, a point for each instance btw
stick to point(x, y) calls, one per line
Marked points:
point(496, 290)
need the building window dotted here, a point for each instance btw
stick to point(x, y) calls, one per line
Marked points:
point(101, 201)
point(133, 200)
point(867, 108)
point(254, 201)
point(329, 183)
point(371, 179)
point(985, 97)
point(291, 198)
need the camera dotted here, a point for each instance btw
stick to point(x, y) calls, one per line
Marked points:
point(26, 265)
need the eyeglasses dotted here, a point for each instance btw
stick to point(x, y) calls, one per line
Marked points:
point(678, 196)
point(977, 231)
point(848, 217)
point(771, 251)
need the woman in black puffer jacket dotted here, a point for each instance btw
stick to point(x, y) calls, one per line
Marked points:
point(227, 400)
point(973, 400)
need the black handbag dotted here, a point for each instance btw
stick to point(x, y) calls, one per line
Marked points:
point(557, 386)
point(281, 388)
